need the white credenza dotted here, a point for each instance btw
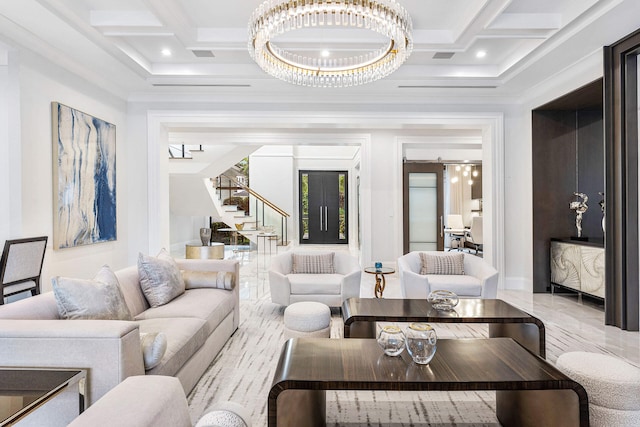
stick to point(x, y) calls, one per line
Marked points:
point(578, 265)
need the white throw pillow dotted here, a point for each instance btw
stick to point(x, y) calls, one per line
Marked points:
point(313, 263)
point(97, 298)
point(442, 263)
point(160, 278)
point(153, 346)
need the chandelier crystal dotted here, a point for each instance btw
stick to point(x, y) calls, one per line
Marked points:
point(276, 17)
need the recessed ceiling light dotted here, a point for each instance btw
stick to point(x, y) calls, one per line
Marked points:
point(325, 53)
point(166, 52)
point(481, 54)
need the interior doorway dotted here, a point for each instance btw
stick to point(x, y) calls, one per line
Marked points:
point(423, 206)
point(324, 205)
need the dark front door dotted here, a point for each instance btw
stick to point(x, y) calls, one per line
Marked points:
point(323, 207)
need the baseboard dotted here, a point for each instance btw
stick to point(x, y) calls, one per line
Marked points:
point(518, 284)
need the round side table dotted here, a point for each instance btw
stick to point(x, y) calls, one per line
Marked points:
point(380, 280)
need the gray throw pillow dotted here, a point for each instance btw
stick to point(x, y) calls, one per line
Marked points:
point(153, 346)
point(313, 263)
point(100, 298)
point(160, 278)
point(442, 263)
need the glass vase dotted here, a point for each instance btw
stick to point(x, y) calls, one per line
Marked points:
point(421, 342)
point(392, 340)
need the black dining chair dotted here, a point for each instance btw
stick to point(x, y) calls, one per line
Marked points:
point(21, 266)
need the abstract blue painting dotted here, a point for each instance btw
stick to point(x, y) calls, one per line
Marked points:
point(84, 178)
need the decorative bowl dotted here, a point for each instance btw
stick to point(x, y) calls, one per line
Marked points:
point(443, 300)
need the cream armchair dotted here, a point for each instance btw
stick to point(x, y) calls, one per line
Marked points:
point(480, 280)
point(328, 288)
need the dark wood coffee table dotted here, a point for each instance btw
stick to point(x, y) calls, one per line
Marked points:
point(529, 391)
point(361, 314)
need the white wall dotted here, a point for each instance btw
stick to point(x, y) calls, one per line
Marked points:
point(272, 174)
point(10, 159)
point(185, 230)
point(40, 83)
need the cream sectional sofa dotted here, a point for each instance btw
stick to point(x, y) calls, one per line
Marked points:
point(197, 324)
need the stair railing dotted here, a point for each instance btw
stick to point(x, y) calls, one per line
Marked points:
point(266, 217)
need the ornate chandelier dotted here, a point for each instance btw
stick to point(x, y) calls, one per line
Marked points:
point(276, 17)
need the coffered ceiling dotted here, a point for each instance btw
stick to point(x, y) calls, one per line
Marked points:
point(182, 46)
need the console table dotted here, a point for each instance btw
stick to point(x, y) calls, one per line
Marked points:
point(38, 397)
point(214, 251)
point(578, 265)
point(529, 391)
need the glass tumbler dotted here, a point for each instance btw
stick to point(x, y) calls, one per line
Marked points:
point(421, 342)
point(392, 340)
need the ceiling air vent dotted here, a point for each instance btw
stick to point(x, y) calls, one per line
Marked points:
point(203, 53)
point(443, 55)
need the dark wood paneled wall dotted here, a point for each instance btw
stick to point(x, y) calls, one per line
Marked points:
point(568, 156)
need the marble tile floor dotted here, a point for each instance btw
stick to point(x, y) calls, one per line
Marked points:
point(580, 316)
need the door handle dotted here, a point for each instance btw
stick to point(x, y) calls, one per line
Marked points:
point(320, 218)
point(441, 227)
point(326, 220)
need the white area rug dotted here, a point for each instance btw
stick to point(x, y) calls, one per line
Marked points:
point(243, 372)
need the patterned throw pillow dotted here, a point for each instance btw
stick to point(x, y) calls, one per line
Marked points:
point(442, 263)
point(160, 278)
point(313, 263)
point(100, 298)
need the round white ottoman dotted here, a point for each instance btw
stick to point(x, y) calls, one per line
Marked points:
point(612, 385)
point(225, 414)
point(307, 319)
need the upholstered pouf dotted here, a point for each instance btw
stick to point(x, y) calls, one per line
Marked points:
point(225, 414)
point(612, 385)
point(307, 319)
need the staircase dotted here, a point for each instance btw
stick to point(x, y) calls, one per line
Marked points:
point(265, 217)
point(192, 168)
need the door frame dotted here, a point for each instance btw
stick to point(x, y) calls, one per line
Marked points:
point(346, 204)
point(422, 167)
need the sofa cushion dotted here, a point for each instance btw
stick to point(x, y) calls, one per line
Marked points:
point(210, 305)
point(442, 263)
point(130, 286)
point(160, 278)
point(100, 298)
point(185, 335)
point(463, 285)
point(312, 284)
point(320, 263)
